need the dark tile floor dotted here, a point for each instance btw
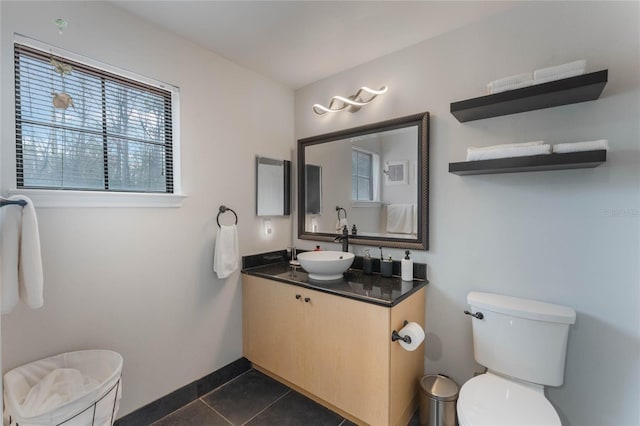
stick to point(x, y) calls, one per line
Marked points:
point(254, 399)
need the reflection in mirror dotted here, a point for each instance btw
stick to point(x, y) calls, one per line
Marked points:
point(273, 183)
point(313, 178)
point(376, 175)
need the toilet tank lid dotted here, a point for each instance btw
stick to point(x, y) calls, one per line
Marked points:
point(523, 308)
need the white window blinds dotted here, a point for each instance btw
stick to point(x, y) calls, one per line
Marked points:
point(115, 133)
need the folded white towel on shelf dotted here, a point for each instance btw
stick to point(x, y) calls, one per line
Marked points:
point(21, 277)
point(504, 145)
point(505, 88)
point(543, 73)
point(508, 150)
point(226, 257)
point(509, 83)
point(581, 146)
point(558, 76)
point(400, 218)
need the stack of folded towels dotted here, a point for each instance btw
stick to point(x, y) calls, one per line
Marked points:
point(508, 150)
point(532, 148)
point(563, 148)
point(539, 76)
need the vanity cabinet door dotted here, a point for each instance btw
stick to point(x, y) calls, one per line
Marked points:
point(272, 326)
point(347, 355)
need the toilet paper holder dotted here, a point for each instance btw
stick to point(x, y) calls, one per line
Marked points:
point(395, 336)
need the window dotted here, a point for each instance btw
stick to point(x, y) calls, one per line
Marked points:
point(361, 175)
point(90, 129)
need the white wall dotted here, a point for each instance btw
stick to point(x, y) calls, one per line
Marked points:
point(569, 237)
point(140, 281)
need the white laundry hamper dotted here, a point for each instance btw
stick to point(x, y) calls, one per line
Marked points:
point(97, 405)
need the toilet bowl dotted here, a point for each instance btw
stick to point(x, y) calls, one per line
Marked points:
point(523, 344)
point(492, 400)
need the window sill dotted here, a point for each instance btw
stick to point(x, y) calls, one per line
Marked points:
point(64, 198)
point(370, 204)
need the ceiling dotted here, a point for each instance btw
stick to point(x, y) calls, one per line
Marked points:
point(300, 42)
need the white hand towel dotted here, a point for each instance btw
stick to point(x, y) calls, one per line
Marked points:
point(341, 223)
point(579, 66)
point(226, 257)
point(509, 152)
point(581, 146)
point(21, 260)
point(30, 275)
point(400, 218)
point(10, 217)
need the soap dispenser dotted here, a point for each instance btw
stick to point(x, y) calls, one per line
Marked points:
point(386, 267)
point(407, 267)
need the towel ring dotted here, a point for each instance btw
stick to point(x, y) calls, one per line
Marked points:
point(223, 209)
point(338, 209)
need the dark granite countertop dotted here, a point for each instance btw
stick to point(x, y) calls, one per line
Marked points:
point(372, 288)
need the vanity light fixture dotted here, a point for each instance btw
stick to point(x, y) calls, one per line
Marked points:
point(351, 103)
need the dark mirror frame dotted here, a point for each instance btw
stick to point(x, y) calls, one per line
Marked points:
point(422, 241)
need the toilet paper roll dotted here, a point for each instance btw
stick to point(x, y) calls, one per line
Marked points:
point(416, 333)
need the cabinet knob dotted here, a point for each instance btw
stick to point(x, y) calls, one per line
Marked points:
point(298, 296)
point(307, 299)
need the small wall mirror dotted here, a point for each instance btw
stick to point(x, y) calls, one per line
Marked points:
point(375, 177)
point(273, 187)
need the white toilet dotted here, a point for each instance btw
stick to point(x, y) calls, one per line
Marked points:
point(523, 345)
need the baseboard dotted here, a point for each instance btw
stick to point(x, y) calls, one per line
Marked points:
point(179, 398)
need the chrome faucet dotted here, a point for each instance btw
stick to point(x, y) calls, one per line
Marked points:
point(344, 239)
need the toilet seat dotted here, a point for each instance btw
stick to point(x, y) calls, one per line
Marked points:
point(492, 400)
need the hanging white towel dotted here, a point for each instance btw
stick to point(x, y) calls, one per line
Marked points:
point(341, 223)
point(400, 218)
point(10, 222)
point(226, 257)
point(20, 257)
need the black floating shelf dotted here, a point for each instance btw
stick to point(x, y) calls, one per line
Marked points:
point(586, 87)
point(533, 163)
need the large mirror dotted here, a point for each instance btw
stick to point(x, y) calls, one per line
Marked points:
point(375, 177)
point(273, 187)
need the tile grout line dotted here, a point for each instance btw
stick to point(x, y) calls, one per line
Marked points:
point(200, 398)
point(215, 411)
point(267, 407)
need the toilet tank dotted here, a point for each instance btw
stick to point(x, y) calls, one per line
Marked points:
point(522, 338)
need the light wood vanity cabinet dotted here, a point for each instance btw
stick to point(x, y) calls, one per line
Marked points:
point(333, 349)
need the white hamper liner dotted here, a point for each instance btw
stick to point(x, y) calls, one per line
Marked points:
point(97, 405)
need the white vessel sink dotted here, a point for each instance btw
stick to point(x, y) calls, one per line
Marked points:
point(325, 265)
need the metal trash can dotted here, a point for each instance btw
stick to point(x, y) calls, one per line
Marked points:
point(438, 396)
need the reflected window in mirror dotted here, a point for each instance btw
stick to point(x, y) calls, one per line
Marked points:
point(365, 171)
point(378, 173)
point(273, 187)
